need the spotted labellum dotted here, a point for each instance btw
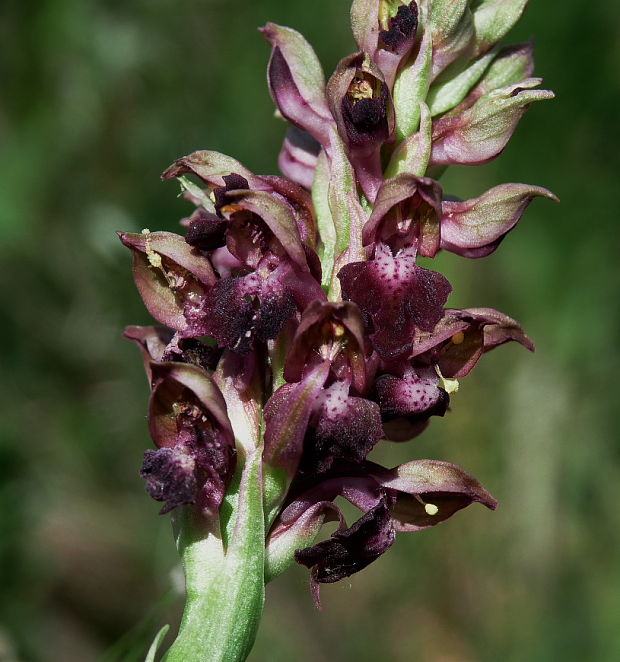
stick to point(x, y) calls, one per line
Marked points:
point(297, 331)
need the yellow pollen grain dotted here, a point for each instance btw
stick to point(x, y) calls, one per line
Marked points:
point(153, 257)
point(360, 89)
point(430, 508)
point(338, 330)
point(458, 338)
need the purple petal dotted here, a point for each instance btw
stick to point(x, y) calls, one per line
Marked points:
point(151, 341)
point(483, 222)
point(300, 202)
point(334, 328)
point(298, 157)
point(397, 295)
point(347, 428)
point(441, 489)
point(499, 328)
point(172, 278)
point(296, 81)
point(287, 414)
point(413, 398)
point(170, 476)
point(212, 167)
point(278, 216)
point(351, 550)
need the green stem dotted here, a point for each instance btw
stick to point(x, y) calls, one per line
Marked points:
point(225, 589)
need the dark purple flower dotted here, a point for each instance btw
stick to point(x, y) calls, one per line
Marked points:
point(334, 332)
point(361, 104)
point(387, 39)
point(410, 497)
point(463, 336)
point(396, 297)
point(350, 550)
point(402, 28)
point(188, 416)
point(345, 428)
point(407, 213)
point(188, 422)
point(172, 277)
point(264, 238)
point(223, 174)
point(407, 401)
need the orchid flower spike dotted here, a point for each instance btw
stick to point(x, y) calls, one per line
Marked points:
point(298, 331)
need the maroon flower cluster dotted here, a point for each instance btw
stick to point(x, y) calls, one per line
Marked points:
point(314, 304)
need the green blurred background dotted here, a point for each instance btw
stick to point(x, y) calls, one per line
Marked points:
point(97, 98)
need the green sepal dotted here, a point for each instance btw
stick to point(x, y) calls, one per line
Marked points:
point(286, 538)
point(275, 483)
point(346, 210)
point(412, 155)
point(493, 19)
point(452, 26)
point(325, 222)
point(512, 64)
point(411, 87)
point(458, 80)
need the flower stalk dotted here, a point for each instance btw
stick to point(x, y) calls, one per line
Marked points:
point(298, 329)
point(225, 590)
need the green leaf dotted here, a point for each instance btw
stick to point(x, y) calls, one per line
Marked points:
point(159, 637)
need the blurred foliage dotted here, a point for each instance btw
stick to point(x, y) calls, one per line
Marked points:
point(98, 97)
